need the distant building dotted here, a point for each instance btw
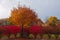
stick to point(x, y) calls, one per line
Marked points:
point(3, 21)
point(58, 22)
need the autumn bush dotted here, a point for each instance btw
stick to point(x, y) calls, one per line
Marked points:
point(2, 30)
point(51, 30)
point(58, 27)
point(12, 29)
point(35, 29)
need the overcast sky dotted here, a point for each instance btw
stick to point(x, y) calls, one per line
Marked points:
point(44, 8)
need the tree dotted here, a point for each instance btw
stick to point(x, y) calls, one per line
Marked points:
point(52, 21)
point(23, 16)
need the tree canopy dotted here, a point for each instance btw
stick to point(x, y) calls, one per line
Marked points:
point(51, 21)
point(23, 16)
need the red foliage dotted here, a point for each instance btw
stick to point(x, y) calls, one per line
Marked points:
point(1, 29)
point(51, 29)
point(47, 29)
point(36, 29)
point(12, 29)
point(58, 27)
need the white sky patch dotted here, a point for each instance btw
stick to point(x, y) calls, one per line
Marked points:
point(3, 1)
point(3, 12)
